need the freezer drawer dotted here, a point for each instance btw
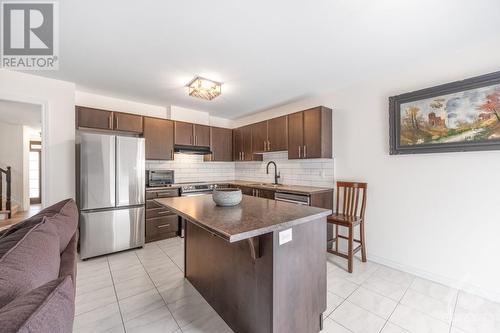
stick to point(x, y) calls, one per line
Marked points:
point(110, 231)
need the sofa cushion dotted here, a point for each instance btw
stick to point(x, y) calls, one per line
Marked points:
point(48, 308)
point(33, 261)
point(64, 215)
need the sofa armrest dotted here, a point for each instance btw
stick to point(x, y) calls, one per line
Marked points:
point(69, 259)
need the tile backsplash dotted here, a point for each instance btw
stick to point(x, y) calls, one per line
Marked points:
point(313, 172)
point(191, 168)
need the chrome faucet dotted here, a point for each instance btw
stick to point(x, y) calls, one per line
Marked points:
point(276, 173)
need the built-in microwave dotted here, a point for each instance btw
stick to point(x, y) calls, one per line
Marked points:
point(155, 178)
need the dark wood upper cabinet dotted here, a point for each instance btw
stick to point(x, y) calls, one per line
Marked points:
point(277, 134)
point(237, 144)
point(183, 133)
point(94, 118)
point(259, 137)
point(295, 135)
point(159, 136)
point(127, 122)
point(242, 145)
point(246, 133)
point(108, 120)
point(201, 135)
point(310, 133)
point(221, 145)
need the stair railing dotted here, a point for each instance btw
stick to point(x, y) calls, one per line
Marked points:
point(8, 180)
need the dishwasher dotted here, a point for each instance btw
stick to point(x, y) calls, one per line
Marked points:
point(301, 199)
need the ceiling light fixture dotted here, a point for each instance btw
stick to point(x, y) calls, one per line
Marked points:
point(204, 88)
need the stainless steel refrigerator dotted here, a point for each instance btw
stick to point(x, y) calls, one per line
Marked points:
point(110, 192)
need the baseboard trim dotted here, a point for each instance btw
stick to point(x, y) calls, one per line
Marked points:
point(447, 281)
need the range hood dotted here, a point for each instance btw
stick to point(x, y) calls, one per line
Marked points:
point(193, 150)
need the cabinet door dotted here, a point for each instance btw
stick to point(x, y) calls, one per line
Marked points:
point(127, 122)
point(259, 137)
point(237, 144)
point(183, 133)
point(295, 135)
point(277, 134)
point(312, 133)
point(246, 133)
point(159, 136)
point(94, 118)
point(221, 143)
point(246, 190)
point(268, 194)
point(201, 135)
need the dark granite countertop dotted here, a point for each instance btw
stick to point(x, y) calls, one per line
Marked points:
point(300, 189)
point(252, 217)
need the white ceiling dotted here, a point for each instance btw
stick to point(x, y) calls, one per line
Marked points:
point(17, 113)
point(266, 53)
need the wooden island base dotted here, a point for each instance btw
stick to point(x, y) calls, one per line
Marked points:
point(257, 285)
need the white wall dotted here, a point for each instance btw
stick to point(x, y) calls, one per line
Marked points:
point(434, 215)
point(116, 104)
point(57, 99)
point(11, 154)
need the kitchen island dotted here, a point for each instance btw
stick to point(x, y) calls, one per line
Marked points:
point(261, 264)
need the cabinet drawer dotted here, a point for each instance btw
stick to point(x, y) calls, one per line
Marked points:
point(158, 212)
point(166, 193)
point(162, 225)
point(151, 204)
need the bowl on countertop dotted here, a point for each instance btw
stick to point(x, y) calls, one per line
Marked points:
point(227, 197)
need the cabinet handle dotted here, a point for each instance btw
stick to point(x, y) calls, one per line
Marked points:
point(253, 192)
point(243, 155)
point(196, 139)
point(163, 226)
point(172, 153)
point(305, 151)
point(110, 121)
point(268, 145)
point(265, 146)
point(299, 151)
point(163, 212)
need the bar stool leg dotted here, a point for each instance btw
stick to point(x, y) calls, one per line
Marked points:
point(337, 238)
point(349, 249)
point(362, 239)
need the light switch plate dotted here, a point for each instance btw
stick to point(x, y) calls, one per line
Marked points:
point(285, 236)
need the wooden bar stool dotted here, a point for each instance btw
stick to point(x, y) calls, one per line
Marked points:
point(346, 215)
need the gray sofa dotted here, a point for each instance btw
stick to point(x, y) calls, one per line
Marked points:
point(38, 270)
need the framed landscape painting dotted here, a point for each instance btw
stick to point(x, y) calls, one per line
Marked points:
point(458, 116)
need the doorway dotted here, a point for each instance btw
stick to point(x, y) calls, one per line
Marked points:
point(35, 172)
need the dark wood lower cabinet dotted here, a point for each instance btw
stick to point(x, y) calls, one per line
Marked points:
point(283, 290)
point(161, 223)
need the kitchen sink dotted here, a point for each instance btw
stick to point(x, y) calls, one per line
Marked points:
point(267, 185)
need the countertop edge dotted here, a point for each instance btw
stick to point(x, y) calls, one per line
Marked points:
point(253, 233)
point(279, 227)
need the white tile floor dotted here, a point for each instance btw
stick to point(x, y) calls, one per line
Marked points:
point(145, 291)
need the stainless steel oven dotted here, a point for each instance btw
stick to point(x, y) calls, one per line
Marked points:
point(156, 178)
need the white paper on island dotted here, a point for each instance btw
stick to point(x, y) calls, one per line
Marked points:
point(285, 236)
